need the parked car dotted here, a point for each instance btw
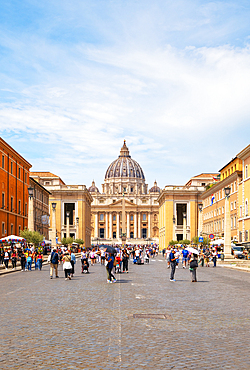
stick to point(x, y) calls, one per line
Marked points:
point(237, 252)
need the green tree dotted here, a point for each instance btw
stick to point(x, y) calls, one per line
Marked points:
point(67, 241)
point(32, 237)
point(79, 241)
point(173, 242)
point(185, 241)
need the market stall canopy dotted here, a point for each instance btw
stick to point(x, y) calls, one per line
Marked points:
point(12, 239)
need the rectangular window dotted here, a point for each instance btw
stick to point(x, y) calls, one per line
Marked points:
point(11, 167)
point(131, 218)
point(144, 217)
point(232, 206)
point(11, 205)
point(232, 222)
point(26, 209)
point(19, 207)
point(25, 177)
point(240, 211)
point(3, 200)
point(240, 236)
point(2, 161)
point(222, 211)
point(12, 229)
point(246, 172)
point(246, 235)
point(132, 189)
point(101, 217)
point(19, 230)
point(235, 204)
point(3, 228)
point(114, 217)
point(19, 173)
point(114, 234)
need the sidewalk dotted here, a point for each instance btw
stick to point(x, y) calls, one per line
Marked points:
point(3, 271)
point(236, 264)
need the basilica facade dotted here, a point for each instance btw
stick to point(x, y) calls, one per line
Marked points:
point(124, 179)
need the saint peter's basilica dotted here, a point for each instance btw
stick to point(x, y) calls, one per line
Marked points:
point(124, 178)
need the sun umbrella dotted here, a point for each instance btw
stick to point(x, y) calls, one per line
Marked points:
point(192, 250)
point(108, 249)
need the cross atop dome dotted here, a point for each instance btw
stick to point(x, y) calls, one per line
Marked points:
point(124, 150)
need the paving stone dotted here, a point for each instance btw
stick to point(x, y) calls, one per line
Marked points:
point(86, 323)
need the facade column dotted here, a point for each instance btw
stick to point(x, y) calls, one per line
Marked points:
point(96, 225)
point(110, 225)
point(135, 225)
point(139, 225)
point(149, 226)
point(128, 225)
point(117, 226)
point(107, 226)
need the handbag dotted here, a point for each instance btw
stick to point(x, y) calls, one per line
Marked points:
point(193, 264)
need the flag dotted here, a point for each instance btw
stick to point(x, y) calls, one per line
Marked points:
point(212, 200)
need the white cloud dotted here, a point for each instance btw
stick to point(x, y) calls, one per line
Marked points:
point(74, 104)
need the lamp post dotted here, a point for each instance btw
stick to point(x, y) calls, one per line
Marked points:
point(227, 230)
point(173, 228)
point(53, 236)
point(31, 209)
point(184, 226)
point(67, 224)
point(77, 227)
point(200, 206)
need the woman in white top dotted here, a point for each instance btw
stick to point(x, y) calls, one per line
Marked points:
point(214, 257)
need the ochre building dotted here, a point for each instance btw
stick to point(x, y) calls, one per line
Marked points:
point(14, 180)
point(179, 216)
point(74, 199)
point(125, 178)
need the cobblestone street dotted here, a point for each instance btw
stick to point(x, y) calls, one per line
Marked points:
point(89, 324)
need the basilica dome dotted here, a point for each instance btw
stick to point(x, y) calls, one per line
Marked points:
point(93, 188)
point(124, 166)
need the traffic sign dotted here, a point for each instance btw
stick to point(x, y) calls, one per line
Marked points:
point(201, 239)
point(211, 236)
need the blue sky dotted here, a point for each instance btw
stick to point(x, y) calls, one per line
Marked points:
point(170, 77)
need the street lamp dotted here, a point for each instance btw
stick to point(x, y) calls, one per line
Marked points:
point(31, 192)
point(53, 236)
point(227, 192)
point(31, 209)
point(200, 206)
point(184, 226)
point(227, 231)
point(67, 224)
point(174, 219)
point(77, 227)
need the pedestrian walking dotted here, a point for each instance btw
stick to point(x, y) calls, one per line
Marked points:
point(125, 258)
point(29, 261)
point(73, 262)
point(193, 265)
point(67, 265)
point(23, 261)
point(207, 256)
point(54, 259)
point(6, 259)
point(214, 257)
point(109, 266)
point(14, 259)
point(172, 264)
point(39, 261)
point(202, 259)
point(184, 258)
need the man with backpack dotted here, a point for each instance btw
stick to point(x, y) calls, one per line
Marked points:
point(54, 259)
